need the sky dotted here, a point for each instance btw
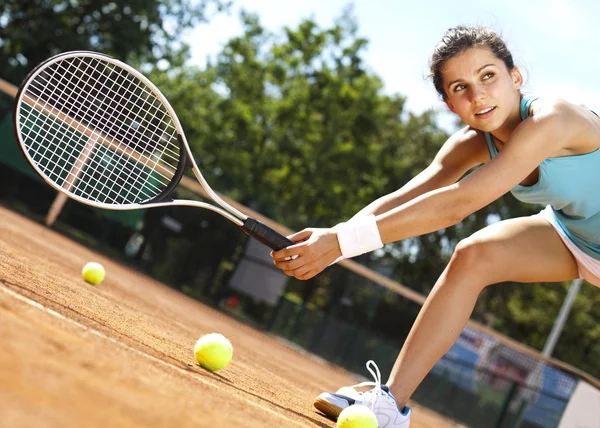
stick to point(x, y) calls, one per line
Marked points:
point(556, 43)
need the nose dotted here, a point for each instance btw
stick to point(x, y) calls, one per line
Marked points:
point(476, 94)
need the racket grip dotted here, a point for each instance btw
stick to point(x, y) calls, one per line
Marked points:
point(268, 236)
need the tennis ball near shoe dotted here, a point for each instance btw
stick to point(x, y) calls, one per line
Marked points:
point(93, 273)
point(357, 416)
point(213, 352)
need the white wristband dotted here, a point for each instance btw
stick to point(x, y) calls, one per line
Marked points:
point(359, 236)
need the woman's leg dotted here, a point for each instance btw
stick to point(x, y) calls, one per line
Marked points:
point(521, 250)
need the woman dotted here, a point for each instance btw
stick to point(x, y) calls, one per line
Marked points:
point(544, 151)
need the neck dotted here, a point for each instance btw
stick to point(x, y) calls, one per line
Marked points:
point(512, 121)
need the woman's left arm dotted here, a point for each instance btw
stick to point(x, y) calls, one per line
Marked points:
point(534, 140)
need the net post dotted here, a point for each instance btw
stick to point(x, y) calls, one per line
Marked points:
point(55, 208)
point(69, 183)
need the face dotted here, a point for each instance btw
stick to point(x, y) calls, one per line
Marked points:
point(481, 90)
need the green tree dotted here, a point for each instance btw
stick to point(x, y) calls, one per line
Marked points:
point(296, 125)
point(133, 30)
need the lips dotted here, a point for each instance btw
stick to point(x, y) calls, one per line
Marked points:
point(482, 111)
point(485, 112)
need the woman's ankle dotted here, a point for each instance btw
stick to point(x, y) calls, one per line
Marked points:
point(399, 395)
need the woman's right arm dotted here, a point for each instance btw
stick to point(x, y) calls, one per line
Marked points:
point(464, 150)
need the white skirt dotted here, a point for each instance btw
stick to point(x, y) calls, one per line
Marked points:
point(588, 267)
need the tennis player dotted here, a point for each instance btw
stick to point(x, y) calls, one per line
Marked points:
point(543, 151)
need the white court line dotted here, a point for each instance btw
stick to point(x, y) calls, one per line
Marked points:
point(137, 351)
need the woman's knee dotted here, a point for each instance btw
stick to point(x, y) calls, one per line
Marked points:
point(473, 257)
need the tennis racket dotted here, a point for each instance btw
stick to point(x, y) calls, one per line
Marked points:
point(100, 132)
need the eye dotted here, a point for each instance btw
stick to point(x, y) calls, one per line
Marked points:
point(458, 87)
point(488, 75)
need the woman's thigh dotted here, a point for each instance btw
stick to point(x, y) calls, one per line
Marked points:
point(526, 249)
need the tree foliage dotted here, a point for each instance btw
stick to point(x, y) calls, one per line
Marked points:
point(134, 30)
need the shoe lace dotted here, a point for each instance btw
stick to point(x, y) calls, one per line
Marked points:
point(372, 395)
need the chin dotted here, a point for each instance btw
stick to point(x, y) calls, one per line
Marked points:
point(487, 125)
point(483, 127)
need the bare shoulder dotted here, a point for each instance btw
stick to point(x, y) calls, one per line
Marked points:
point(556, 108)
point(465, 149)
point(579, 124)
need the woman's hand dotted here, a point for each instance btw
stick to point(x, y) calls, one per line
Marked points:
point(315, 249)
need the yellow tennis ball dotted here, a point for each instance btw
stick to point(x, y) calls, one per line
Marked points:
point(93, 273)
point(357, 416)
point(213, 351)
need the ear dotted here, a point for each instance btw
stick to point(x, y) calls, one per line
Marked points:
point(449, 104)
point(517, 77)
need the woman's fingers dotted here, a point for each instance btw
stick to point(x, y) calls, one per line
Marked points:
point(289, 253)
point(293, 251)
point(315, 250)
point(303, 235)
point(289, 264)
point(297, 268)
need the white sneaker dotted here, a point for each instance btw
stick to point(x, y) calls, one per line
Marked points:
point(388, 414)
point(379, 399)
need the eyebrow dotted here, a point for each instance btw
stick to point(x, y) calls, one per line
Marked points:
point(458, 80)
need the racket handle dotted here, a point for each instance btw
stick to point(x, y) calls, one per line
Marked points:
point(268, 236)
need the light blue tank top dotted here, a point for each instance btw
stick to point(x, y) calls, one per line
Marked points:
point(571, 185)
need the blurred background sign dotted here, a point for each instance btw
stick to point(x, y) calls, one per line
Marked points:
point(256, 276)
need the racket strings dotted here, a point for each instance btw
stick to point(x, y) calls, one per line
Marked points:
point(90, 122)
point(111, 119)
point(111, 131)
point(146, 103)
point(48, 161)
point(86, 190)
point(112, 104)
point(84, 150)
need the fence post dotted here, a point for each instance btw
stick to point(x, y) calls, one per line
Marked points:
point(295, 323)
point(520, 413)
point(318, 332)
point(275, 313)
point(505, 405)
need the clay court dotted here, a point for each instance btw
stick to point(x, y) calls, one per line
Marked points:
point(121, 354)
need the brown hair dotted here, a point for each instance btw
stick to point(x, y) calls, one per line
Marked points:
point(457, 40)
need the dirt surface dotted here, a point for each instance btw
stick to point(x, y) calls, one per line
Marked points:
point(120, 354)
